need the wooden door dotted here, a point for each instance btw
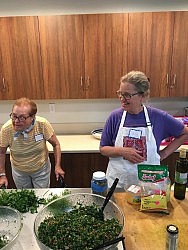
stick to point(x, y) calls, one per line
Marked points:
point(21, 72)
point(62, 56)
point(94, 55)
point(179, 72)
point(150, 48)
point(116, 51)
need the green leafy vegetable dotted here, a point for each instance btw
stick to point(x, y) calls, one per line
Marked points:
point(24, 200)
point(81, 228)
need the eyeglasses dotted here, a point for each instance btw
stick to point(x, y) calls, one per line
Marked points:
point(20, 118)
point(127, 95)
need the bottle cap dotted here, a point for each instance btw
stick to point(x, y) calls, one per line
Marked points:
point(182, 153)
point(172, 229)
point(99, 175)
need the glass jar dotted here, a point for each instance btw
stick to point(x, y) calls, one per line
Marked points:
point(99, 183)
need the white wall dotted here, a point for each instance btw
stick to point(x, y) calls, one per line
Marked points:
point(82, 116)
point(48, 7)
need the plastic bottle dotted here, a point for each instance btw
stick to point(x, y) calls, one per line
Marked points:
point(181, 175)
point(99, 183)
point(171, 237)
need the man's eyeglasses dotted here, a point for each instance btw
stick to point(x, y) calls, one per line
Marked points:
point(127, 95)
point(20, 118)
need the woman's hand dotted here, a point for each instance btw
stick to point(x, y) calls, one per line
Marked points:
point(132, 155)
point(3, 181)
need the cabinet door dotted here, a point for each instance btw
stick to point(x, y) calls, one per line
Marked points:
point(179, 85)
point(116, 51)
point(21, 72)
point(150, 48)
point(94, 55)
point(62, 55)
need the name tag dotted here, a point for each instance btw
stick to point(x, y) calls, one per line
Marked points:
point(135, 133)
point(39, 137)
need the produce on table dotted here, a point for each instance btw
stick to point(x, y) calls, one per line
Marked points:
point(81, 228)
point(25, 200)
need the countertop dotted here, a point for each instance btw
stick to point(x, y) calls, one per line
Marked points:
point(146, 231)
point(143, 231)
point(82, 144)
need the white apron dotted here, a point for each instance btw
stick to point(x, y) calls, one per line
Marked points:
point(124, 170)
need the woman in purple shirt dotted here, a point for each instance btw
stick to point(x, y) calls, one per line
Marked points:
point(133, 133)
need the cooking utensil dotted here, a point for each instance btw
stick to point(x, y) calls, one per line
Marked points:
point(108, 196)
point(10, 226)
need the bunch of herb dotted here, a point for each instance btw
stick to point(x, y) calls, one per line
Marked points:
point(24, 200)
point(79, 229)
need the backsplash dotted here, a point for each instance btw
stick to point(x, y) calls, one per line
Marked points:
point(82, 116)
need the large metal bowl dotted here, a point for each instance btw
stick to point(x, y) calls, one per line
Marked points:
point(110, 211)
point(10, 225)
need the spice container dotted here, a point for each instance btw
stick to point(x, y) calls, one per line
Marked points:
point(171, 237)
point(99, 183)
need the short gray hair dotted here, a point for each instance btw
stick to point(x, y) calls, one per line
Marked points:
point(139, 80)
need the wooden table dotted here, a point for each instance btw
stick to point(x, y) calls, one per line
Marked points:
point(148, 230)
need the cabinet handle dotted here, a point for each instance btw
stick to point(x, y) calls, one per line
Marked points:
point(173, 84)
point(81, 81)
point(167, 80)
point(174, 81)
point(87, 83)
point(4, 88)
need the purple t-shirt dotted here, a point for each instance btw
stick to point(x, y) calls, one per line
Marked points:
point(163, 125)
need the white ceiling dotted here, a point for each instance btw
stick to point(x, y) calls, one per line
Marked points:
point(48, 7)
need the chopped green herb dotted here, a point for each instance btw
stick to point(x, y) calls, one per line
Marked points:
point(25, 200)
point(81, 228)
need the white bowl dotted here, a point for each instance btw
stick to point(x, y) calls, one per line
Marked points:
point(97, 133)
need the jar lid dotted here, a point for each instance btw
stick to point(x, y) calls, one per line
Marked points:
point(99, 175)
point(172, 229)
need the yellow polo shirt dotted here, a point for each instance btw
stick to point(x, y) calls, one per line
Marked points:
point(31, 154)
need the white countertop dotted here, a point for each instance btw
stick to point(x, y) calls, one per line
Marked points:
point(77, 144)
point(82, 144)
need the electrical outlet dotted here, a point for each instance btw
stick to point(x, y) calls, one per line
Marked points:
point(52, 107)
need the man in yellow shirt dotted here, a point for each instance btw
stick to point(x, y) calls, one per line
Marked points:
point(26, 134)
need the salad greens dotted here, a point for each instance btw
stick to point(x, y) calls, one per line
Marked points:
point(81, 228)
point(25, 200)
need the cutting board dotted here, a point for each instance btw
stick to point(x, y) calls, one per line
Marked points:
point(147, 231)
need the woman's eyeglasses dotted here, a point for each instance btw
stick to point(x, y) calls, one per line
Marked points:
point(127, 95)
point(20, 118)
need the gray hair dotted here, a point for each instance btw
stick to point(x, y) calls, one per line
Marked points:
point(139, 80)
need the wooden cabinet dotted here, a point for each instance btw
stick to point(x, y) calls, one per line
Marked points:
point(73, 55)
point(155, 47)
point(20, 59)
point(116, 51)
point(180, 55)
point(79, 168)
point(84, 56)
